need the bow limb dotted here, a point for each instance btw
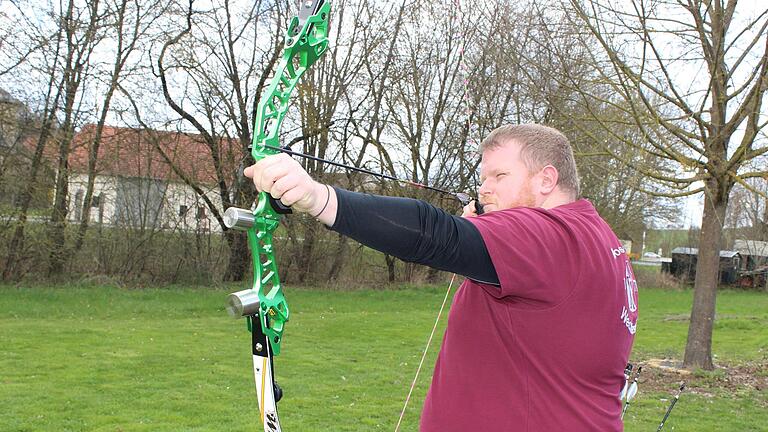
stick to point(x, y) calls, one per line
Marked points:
point(268, 393)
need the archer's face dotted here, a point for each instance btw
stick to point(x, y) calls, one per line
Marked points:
point(505, 180)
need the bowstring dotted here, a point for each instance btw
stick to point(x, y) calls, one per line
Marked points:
point(424, 353)
point(465, 81)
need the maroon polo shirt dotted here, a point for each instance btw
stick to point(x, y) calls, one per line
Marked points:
point(546, 350)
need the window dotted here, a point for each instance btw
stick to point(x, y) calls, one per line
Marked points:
point(183, 210)
point(96, 201)
point(201, 212)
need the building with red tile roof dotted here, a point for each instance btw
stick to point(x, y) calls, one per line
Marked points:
point(142, 177)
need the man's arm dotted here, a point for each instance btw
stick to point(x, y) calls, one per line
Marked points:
point(414, 231)
point(406, 228)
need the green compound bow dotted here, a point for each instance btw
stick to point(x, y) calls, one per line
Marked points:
point(264, 305)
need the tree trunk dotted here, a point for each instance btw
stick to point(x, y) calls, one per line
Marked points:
point(698, 350)
point(764, 224)
point(16, 245)
point(60, 210)
point(238, 256)
point(338, 257)
point(433, 275)
point(75, 71)
point(305, 260)
point(93, 155)
point(390, 267)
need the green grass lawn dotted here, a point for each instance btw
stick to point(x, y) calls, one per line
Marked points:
point(113, 359)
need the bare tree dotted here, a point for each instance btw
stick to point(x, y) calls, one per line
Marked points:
point(225, 55)
point(49, 66)
point(82, 33)
point(556, 71)
point(324, 108)
point(125, 23)
point(654, 56)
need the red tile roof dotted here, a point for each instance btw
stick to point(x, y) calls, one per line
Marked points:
point(133, 153)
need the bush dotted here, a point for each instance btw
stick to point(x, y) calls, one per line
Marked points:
point(652, 277)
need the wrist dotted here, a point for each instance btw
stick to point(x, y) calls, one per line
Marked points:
point(322, 198)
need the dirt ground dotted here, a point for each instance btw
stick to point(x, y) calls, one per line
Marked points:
point(665, 375)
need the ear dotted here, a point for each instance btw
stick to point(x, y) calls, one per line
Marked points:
point(548, 177)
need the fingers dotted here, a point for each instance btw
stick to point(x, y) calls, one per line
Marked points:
point(293, 190)
point(469, 210)
point(285, 179)
point(267, 171)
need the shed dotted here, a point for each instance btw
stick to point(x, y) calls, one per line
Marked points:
point(754, 253)
point(684, 260)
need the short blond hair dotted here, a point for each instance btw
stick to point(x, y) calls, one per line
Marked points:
point(539, 146)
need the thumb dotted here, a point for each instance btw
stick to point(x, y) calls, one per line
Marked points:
point(469, 210)
point(248, 171)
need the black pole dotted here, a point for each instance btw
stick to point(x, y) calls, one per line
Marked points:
point(672, 405)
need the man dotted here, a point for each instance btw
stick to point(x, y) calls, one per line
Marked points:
point(540, 331)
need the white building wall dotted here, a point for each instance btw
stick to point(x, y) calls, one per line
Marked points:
point(197, 216)
point(182, 208)
point(104, 187)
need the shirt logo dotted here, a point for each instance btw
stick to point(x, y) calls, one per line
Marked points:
point(630, 285)
point(630, 288)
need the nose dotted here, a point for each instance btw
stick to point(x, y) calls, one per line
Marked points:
point(485, 187)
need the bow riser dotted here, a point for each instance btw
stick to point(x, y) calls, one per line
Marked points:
point(273, 308)
point(301, 52)
point(306, 41)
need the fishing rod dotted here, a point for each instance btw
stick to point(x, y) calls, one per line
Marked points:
point(462, 197)
point(671, 405)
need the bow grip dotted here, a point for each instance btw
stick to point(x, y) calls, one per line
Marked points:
point(278, 206)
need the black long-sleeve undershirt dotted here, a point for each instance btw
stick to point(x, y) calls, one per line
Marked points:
point(415, 231)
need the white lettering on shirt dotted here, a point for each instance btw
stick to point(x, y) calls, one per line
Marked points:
point(618, 251)
point(632, 327)
point(630, 284)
